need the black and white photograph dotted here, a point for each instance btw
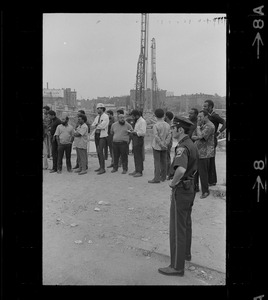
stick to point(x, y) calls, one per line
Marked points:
point(134, 149)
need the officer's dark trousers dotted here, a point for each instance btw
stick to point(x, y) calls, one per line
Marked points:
point(203, 167)
point(101, 143)
point(67, 149)
point(138, 143)
point(55, 154)
point(180, 227)
point(212, 175)
point(160, 165)
point(120, 149)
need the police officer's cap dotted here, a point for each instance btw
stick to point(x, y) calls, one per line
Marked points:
point(181, 121)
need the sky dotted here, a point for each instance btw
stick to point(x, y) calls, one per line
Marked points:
point(97, 54)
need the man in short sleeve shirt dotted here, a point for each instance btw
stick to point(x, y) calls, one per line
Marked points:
point(80, 142)
point(183, 169)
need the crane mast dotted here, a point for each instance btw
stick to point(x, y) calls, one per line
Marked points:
point(141, 77)
point(154, 86)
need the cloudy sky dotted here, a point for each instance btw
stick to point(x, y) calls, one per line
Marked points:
point(97, 54)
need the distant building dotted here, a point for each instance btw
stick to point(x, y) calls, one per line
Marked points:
point(60, 98)
point(169, 94)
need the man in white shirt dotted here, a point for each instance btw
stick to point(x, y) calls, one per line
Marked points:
point(100, 125)
point(138, 135)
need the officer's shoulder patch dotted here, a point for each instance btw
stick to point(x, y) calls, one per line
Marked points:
point(179, 151)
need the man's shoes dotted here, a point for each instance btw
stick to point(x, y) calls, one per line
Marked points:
point(204, 195)
point(76, 167)
point(137, 175)
point(211, 184)
point(133, 173)
point(59, 171)
point(153, 181)
point(113, 170)
point(197, 189)
point(124, 172)
point(171, 271)
point(97, 170)
point(188, 257)
point(70, 170)
point(110, 166)
point(77, 171)
point(163, 180)
point(52, 171)
point(82, 173)
point(101, 172)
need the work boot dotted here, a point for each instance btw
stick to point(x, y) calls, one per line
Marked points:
point(204, 195)
point(171, 271)
point(133, 173)
point(102, 171)
point(76, 167)
point(153, 181)
point(113, 170)
point(137, 175)
point(82, 173)
point(97, 170)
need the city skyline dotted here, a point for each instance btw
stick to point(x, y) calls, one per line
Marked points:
point(97, 54)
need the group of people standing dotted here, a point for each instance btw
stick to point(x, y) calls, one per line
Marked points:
point(60, 137)
point(194, 157)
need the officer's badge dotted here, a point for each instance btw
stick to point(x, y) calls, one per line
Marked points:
point(179, 151)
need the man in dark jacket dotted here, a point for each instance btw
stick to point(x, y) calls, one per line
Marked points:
point(54, 123)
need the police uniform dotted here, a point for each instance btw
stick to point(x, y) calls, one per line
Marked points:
point(182, 198)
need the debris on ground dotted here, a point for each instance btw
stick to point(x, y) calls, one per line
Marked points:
point(96, 209)
point(78, 242)
point(103, 203)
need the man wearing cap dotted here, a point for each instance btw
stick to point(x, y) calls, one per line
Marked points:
point(182, 170)
point(100, 125)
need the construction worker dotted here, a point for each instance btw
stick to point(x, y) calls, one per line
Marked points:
point(182, 170)
point(100, 125)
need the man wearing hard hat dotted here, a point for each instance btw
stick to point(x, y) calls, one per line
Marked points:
point(100, 125)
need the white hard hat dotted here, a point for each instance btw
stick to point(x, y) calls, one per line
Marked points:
point(100, 105)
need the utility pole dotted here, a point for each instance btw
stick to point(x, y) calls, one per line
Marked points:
point(141, 77)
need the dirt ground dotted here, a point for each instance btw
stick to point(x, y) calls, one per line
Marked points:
point(112, 229)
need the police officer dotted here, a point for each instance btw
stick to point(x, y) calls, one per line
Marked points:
point(182, 170)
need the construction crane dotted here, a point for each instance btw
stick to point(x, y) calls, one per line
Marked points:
point(154, 86)
point(141, 77)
